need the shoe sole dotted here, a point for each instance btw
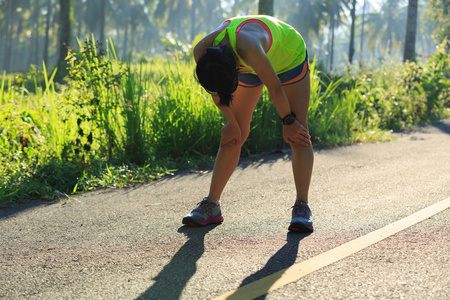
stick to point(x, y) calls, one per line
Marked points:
point(194, 223)
point(300, 228)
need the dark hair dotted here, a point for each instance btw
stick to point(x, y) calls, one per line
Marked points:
point(217, 72)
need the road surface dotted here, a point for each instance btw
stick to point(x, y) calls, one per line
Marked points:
point(129, 243)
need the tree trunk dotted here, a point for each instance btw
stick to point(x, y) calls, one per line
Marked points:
point(362, 34)
point(7, 45)
point(35, 39)
point(125, 35)
point(102, 22)
point(389, 35)
point(64, 38)
point(351, 50)
point(47, 29)
point(93, 20)
point(265, 7)
point(411, 29)
point(333, 21)
point(79, 18)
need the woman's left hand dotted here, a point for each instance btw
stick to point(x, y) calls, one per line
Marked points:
point(296, 133)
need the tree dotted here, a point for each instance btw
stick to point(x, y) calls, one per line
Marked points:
point(363, 22)
point(265, 7)
point(102, 21)
point(351, 50)
point(79, 18)
point(437, 12)
point(411, 28)
point(386, 28)
point(337, 17)
point(7, 45)
point(47, 30)
point(64, 38)
point(35, 34)
point(333, 21)
point(125, 35)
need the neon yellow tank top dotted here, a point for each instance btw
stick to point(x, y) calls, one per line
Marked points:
point(286, 49)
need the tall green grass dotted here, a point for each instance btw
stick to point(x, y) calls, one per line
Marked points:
point(114, 123)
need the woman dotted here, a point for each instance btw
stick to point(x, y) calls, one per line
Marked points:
point(234, 62)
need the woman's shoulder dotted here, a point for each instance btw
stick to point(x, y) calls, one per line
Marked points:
point(252, 36)
point(208, 40)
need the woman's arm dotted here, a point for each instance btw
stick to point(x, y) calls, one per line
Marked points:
point(231, 132)
point(207, 41)
point(251, 49)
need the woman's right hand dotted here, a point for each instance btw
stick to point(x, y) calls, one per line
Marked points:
point(231, 133)
point(296, 133)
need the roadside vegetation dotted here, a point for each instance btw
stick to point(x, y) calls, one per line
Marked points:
point(115, 124)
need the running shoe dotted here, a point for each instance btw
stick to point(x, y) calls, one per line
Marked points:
point(207, 212)
point(301, 217)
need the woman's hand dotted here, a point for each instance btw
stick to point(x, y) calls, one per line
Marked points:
point(231, 133)
point(296, 133)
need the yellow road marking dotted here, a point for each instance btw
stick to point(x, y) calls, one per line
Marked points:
point(299, 270)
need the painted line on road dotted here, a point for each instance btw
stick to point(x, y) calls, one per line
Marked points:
point(299, 270)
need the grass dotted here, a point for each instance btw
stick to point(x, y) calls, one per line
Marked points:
point(114, 124)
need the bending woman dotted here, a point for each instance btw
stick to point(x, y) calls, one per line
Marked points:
point(234, 62)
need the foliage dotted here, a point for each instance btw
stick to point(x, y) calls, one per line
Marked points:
point(398, 95)
point(115, 124)
point(175, 47)
point(438, 13)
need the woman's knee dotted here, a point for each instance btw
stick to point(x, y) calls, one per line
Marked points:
point(300, 147)
point(244, 135)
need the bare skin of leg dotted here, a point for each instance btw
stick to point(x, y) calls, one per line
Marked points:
point(302, 157)
point(243, 105)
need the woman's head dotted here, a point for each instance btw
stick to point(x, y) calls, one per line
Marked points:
point(217, 72)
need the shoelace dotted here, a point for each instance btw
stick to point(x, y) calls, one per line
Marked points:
point(204, 206)
point(300, 210)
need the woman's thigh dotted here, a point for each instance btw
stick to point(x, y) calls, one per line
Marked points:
point(298, 96)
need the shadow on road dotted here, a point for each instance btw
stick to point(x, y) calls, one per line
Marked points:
point(284, 258)
point(444, 126)
point(15, 209)
point(170, 282)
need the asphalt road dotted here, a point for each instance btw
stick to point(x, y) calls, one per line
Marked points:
point(129, 244)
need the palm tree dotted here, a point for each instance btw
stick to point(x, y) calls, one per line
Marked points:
point(337, 17)
point(174, 16)
point(47, 30)
point(363, 22)
point(351, 50)
point(411, 28)
point(7, 45)
point(386, 28)
point(333, 21)
point(311, 18)
point(64, 38)
point(102, 20)
point(308, 16)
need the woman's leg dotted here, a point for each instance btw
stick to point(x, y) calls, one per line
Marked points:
point(243, 105)
point(302, 157)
